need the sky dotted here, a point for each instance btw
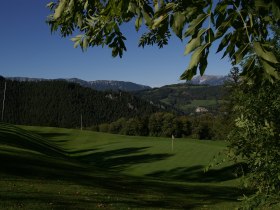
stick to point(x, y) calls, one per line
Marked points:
point(28, 49)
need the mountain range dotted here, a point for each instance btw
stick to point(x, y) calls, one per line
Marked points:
point(96, 85)
point(211, 80)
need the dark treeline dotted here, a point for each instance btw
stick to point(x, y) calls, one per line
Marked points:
point(161, 124)
point(61, 104)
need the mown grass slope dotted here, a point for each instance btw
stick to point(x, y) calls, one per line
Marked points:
point(51, 168)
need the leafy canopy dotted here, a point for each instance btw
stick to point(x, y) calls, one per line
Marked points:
point(241, 27)
point(254, 117)
point(254, 139)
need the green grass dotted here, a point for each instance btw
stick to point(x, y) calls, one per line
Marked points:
point(51, 168)
point(196, 103)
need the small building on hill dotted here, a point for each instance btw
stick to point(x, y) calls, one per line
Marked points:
point(200, 109)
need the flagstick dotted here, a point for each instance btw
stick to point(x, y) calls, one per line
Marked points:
point(4, 101)
point(172, 144)
point(81, 122)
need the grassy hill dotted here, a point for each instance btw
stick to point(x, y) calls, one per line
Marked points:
point(185, 97)
point(51, 168)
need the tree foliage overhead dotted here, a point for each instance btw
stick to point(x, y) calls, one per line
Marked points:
point(239, 26)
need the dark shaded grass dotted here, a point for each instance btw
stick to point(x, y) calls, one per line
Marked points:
point(198, 173)
point(109, 160)
point(17, 137)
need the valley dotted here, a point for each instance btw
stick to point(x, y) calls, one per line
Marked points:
point(140, 105)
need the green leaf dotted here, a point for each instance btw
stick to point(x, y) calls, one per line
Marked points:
point(195, 23)
point(178, 23)
point(147, 18)
point(132, 7)
point(261, 3)
point(270, 69)
point(195, 42)
point(249, 66)
point(85, 43)
point(86, 5)
point(50, 5)
point(80, 20)
point(77, 40)
point(226, 24)
point(167, 8)
point(221, 7)
point(58, 11)
point(264, 54)
point(224, 42)
point(192, 45)
point(158, 21)
point(138, 23)
point(188, 74)
point(209, 35)
point(156, 5)
point(240, 53)
point(196, 56)
point(196, 59)
point(220, 19)
point(203, 64)
point(230, 50)
point(76, 44)
point(275, 11)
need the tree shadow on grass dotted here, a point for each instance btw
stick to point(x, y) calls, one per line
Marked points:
point(99, 170)
point(132, 192)
point(27, 140)
point(198, 173)
point(79, 152)
point(119, 159)
point(28, 164)
point(50, 135)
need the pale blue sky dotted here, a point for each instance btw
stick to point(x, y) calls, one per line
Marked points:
point(28, 49)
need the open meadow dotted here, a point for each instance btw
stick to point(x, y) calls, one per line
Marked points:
point(54, 168)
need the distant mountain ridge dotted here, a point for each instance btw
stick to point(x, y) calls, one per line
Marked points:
point(96, 85)
point(211, 80)
point(115, 85)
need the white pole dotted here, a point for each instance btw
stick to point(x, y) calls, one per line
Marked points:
point(81, 122)
point(3, 107)
point(172, 145)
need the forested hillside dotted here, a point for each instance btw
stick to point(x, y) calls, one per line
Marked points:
point(61, 104)
point(186, 97)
